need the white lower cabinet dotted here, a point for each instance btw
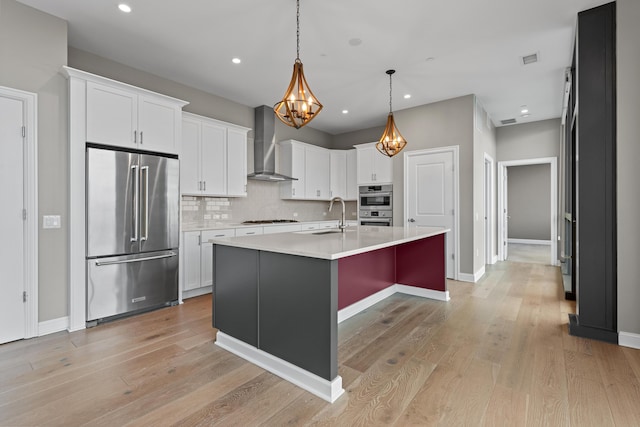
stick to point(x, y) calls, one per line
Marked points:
point(249, 231)
point(197, 268)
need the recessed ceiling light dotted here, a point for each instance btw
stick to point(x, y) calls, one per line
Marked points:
point(124, 7)
point(524, 110)
point(345, 111)
point(431, 58)
point(355, 42)
point(407, 96)
point(236, 60)
point(525, 115)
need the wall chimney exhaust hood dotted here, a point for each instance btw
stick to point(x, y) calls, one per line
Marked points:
point(264, 154)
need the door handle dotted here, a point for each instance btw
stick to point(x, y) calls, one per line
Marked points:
point(412, 220)
point(136, 189)
point(127, 261)
point(144, 170)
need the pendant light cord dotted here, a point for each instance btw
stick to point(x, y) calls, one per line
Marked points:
point(298, 29)
point(390, 94)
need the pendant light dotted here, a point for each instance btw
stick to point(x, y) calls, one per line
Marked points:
point(391, 142)
point(298, 105)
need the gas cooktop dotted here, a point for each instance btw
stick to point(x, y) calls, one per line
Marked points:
point(269, 221)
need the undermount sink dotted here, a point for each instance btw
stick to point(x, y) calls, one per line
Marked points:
point(322, 232)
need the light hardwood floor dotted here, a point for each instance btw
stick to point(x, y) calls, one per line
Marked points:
point(497, 354)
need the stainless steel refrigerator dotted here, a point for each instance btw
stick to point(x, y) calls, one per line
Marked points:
point(133, 222)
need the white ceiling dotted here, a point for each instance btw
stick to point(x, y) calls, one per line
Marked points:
point(439, 49)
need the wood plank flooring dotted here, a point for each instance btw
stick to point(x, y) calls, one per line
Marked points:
point(497, 354)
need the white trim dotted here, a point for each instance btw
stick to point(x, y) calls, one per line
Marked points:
point(529, 241)
point(365, 303)
point(373, 299)
point(466, 277)
point(196, 292)
point(30, 114)
point(455, 150)
point(422, 292)
point(502, 167)
point(494, 259)
point(324, 389)
point(52, 326)
point(489, 230)
point(628, 339)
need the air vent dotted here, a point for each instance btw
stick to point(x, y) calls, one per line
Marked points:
point(508, 121)
point(529, 59)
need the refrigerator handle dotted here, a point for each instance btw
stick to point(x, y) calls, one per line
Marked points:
point(127, 261)
point(136, 187)
point(144, 203)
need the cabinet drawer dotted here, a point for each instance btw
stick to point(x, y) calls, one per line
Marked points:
point(212, 234)
point(248, 231)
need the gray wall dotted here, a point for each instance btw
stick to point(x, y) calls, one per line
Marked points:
point(529, 202)
point(33, 48)
point(529, 140)
point(344, 141)
point(628, 171)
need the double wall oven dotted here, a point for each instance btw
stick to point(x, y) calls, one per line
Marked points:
point(375, 204)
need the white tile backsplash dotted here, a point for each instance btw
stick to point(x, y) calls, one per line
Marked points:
point(262, 202)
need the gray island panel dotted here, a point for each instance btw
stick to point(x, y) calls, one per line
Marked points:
point(298, 311)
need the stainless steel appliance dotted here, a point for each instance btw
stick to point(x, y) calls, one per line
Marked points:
point(375, 205)
point(133, 201)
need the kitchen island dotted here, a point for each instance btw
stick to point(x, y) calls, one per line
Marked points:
point(278, 299)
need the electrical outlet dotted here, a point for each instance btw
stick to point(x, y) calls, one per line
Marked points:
point(51, 221)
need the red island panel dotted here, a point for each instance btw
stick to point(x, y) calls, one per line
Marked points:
point(421, 263)
point(365, 274)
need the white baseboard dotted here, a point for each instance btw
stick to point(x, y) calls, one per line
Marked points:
point(627, 339)
point(367, 302)
point(494, 259)
point(530, 241)
point(54, 325)
point(196, 292)
point(324, 389)
point(465, 277)
point(478, 274)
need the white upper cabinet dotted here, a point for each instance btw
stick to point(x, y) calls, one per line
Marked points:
point(343, 174)
point(339, 173)
point(352, 181)
point(311, 165)
point(373, 167)
point(214, 157)
point(124, 116)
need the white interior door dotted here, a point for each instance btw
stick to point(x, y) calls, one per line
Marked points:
point(430, 196)
point(505, 226)
point(12, 224)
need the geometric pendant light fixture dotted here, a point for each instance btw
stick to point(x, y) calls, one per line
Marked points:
point(298, 105)
point(392, 141)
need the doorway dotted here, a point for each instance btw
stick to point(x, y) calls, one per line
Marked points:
point(489, 203)
point(503, 210)
point(431, 196)
point(19, 217)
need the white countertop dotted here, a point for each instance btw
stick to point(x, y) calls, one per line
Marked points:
point(227, 225)
point(354, 240)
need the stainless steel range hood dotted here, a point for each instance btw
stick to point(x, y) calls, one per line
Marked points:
point(264, 154)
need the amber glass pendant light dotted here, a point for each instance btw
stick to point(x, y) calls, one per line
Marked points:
point(392, 141)
point(298, 105)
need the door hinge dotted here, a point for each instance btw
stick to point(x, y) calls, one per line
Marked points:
point(24, 214)
point(453, 212)
point(24, 296)
point(24, 132)
point(453, 256)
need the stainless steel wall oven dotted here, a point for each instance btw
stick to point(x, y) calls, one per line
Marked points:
point(375, 205)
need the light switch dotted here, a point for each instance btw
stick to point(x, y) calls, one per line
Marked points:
point(51, 221)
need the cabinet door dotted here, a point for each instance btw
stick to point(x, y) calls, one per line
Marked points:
point(190, 158)
point(206, 254)
point(236, 163)
point(317, 165)
point(382, 168)
point(292, 164)
point(214, 159)
point(191, 250)
point(338, 173)
point(352, 182)
point(112, 115)
point(365, 164)
point(157, 124)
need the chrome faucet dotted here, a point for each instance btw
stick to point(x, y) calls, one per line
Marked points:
point(342, 224)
